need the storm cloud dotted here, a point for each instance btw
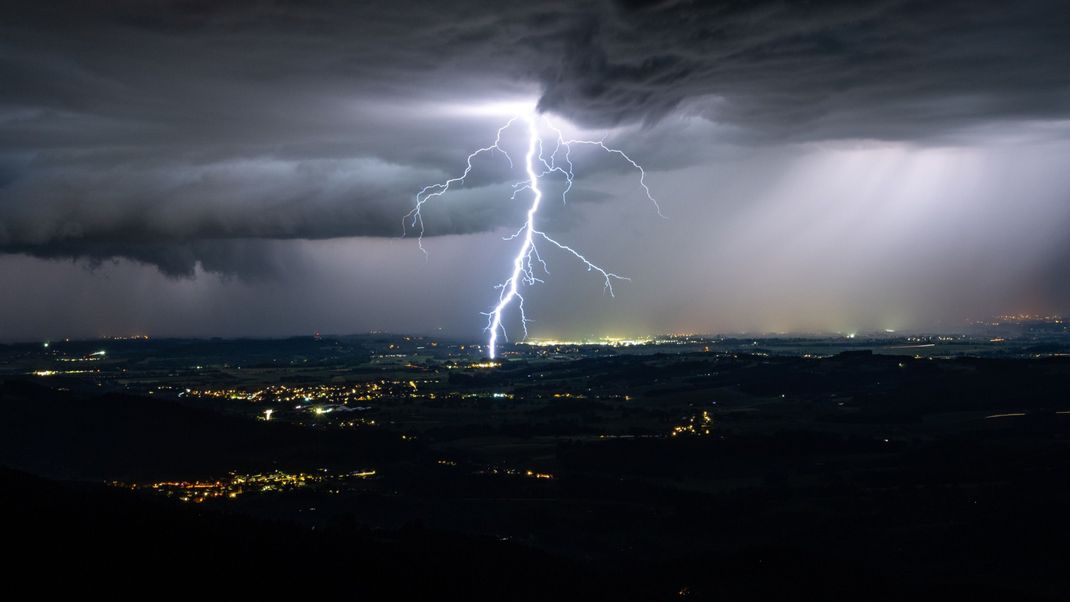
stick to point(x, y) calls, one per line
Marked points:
point(244, 167)
point(176, 132)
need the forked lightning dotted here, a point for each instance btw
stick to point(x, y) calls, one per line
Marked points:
point(538, 163)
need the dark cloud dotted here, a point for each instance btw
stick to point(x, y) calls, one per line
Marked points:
point(251, 259)
point(175, 133)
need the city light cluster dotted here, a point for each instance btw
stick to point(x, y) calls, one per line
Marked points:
point(605, 341)
point(694, 426)
point(236, 484)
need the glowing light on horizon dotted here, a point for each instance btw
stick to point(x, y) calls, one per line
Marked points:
point(539, 162)
point(603, 342)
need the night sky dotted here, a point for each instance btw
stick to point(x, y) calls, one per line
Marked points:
point(228, 168)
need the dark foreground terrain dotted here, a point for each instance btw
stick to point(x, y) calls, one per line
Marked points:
point(643, 476)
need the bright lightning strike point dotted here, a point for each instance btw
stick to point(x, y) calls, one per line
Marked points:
point(538, 163)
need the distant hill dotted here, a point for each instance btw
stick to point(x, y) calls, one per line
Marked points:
point(73, 436)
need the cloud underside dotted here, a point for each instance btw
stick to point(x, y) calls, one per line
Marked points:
point(179, 133)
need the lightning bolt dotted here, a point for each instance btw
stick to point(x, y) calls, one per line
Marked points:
point(538, 163)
